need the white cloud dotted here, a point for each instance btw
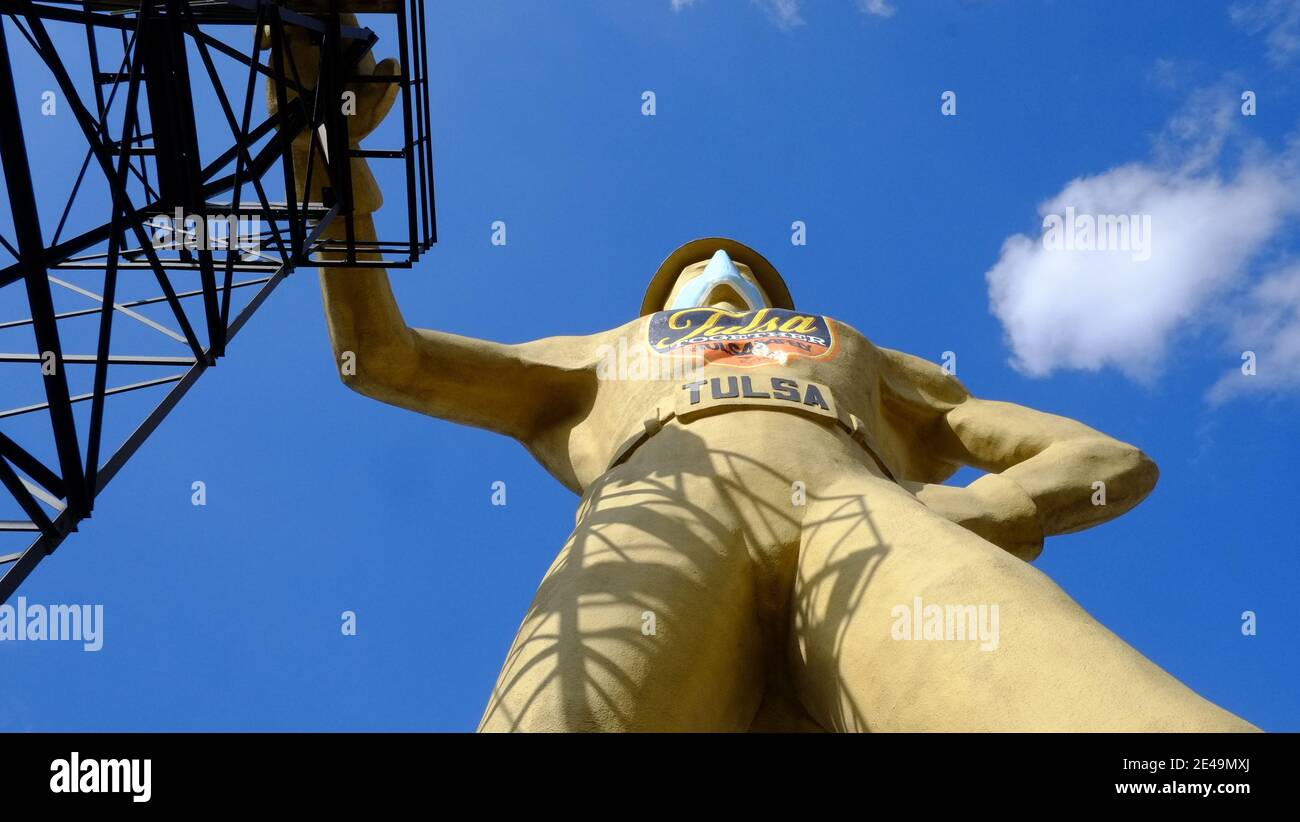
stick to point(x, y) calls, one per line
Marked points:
point(1269, 326)
point(1095, 309)
point(1092, 309)
point(1194, 138)
point(785, 13)
point(788, 14)
point(879, 8)
point(1278, 20)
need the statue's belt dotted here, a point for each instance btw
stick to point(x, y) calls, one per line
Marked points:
point(712, 395)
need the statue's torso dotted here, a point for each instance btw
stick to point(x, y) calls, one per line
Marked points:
point(711, 372)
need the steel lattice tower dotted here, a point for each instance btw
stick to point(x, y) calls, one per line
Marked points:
point(145, 158)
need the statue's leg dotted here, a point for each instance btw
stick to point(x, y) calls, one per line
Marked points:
point(872, 563)
point(645, 621)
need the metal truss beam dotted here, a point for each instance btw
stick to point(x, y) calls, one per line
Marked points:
point(142, 135)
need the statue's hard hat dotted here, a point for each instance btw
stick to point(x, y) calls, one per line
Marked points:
point(661, 285)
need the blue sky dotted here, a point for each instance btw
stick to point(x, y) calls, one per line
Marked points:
point(226, 617)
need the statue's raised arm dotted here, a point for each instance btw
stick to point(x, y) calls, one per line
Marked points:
point(518, 390)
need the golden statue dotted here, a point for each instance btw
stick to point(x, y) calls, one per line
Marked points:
point(762, 541)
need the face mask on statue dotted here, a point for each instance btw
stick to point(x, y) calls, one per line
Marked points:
point(720, 281)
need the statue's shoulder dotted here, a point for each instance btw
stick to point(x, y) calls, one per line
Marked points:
point(632, 334)
point(905, 375)
point(856, 340)
point(912, 380)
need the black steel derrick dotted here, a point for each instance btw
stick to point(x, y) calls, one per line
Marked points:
point(149, 157)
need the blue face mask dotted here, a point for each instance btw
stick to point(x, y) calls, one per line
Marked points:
point(719, 272)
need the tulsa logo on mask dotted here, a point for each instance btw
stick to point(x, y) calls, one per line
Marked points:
point(764, 337)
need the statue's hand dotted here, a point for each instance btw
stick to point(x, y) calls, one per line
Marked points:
point(373, 100)
point(992, 507)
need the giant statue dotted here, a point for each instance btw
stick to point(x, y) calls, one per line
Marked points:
point(763, 539)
